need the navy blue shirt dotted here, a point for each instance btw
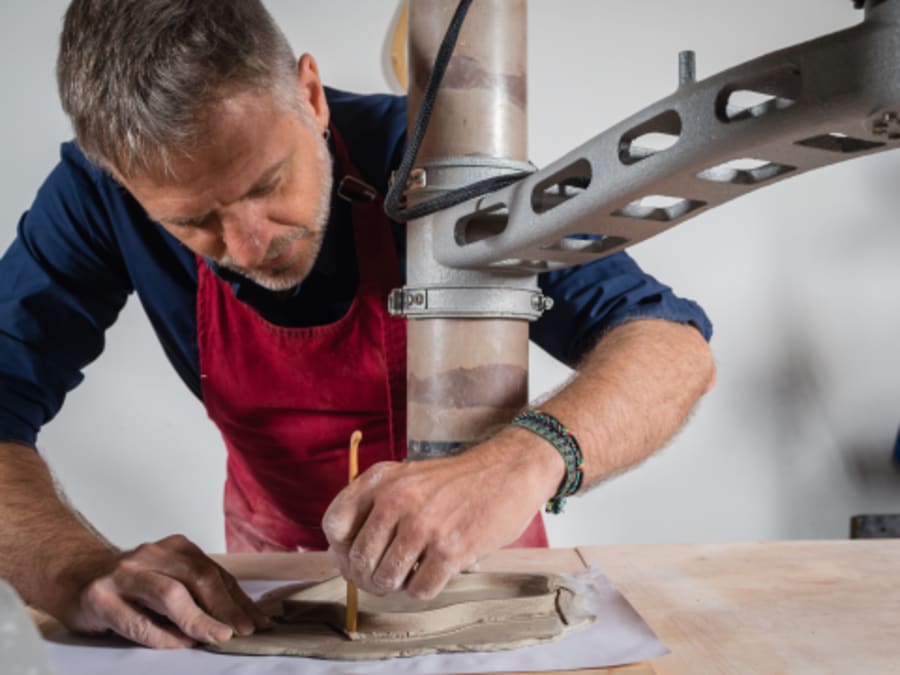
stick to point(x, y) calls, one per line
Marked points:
point(86, 245)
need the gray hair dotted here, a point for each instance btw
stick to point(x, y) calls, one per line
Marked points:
point(135, 76)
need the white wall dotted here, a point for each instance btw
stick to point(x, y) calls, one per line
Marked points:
point(800, 279)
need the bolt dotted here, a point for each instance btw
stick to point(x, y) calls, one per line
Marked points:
point(395, 302)
point(417, 179)
point(420, 298)
point(687, 68)
point(541, 303)
point(410, 299)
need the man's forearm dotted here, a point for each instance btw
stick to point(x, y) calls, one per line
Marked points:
point(59, 565)
point(633, 392)
point(630, 395)
point(41, 539)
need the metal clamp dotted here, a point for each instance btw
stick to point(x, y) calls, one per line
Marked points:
point(473, 302)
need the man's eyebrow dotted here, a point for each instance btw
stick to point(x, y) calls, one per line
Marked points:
point(265, 178)
point(261, 182)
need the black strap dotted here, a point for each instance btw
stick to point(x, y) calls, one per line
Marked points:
point(393, 203)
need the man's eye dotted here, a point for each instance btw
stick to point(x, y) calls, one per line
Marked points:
point(191, 224)
point(263, 190)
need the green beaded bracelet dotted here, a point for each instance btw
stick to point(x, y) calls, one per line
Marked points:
point(558, 435)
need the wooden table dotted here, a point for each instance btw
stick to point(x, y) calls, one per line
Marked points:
point(773, 607)
point(765, 607)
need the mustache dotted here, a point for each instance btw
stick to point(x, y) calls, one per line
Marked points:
point(278, 246)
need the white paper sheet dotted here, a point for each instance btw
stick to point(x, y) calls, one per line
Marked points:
point(617, 637)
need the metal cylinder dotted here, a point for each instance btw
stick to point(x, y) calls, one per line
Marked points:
point(481, 108)
point(466, 377)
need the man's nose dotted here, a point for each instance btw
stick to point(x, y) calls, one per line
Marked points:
point(246, 236)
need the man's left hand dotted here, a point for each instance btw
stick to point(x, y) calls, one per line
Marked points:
point(414, 525)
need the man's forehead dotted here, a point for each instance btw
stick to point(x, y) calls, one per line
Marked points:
point(224, 168)
point(181, 203)
point(230, 121)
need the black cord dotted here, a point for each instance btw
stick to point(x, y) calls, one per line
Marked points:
point(393, 202)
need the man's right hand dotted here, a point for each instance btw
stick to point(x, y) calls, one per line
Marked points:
point(166, 595)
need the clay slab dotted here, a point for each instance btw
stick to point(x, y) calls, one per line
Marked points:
point(475, 612)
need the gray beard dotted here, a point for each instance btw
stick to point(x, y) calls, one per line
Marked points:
point(280, 282)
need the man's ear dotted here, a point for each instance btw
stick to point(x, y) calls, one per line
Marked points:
point(312, 90)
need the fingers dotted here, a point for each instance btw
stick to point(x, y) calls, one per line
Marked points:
point(368, 547)
point(432, 575)
point(420, 563)
point(399, 560)
point(170, 580)
point(250, 608)
point(131, 623)
point(213, 595)
point(360, 525)
point(341, 522)
point(420, 555)
point(444, 557)
point(348, 511)
point(438, 514)
point(214, 589)
point(384, 523)
point(171, 599)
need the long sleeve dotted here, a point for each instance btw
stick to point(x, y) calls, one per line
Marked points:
point(62, 284)
point(591, 299)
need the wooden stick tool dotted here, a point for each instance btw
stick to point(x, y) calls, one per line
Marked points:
point(352, 609)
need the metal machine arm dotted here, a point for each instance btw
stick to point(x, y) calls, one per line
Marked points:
point(810, 105)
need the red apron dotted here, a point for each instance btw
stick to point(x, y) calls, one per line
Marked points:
point(287, 399)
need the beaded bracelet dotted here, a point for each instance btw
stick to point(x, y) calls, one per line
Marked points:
point(557, 434)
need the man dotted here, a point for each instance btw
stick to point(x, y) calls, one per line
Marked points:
point(208, 177)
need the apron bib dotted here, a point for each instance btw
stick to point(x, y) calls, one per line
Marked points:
point(287, 399)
